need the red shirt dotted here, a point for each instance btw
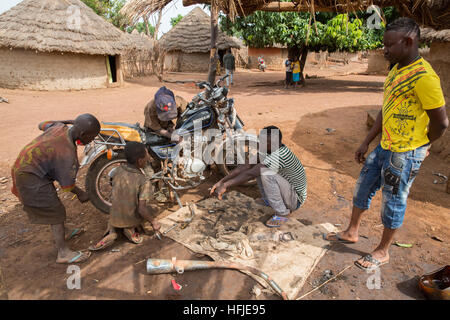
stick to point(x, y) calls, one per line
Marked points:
point(52, 155)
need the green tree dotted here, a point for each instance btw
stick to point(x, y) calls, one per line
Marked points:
point(301, 32)
point(174, 21)
point(109, 9)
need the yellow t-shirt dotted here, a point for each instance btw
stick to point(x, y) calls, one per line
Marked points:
point(296, 67)
point(408, 92)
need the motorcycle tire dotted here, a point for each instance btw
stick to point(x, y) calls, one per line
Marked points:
point(91, 184)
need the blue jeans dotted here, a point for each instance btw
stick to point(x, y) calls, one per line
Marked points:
point(394, 172)
point(230, 78)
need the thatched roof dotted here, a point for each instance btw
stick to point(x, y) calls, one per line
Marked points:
point(139, 41)
point(429, 13)
point(52, 25)
point(193, 34)
point(430, 35)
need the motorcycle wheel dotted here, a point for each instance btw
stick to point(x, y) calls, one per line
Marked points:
point(98, 182)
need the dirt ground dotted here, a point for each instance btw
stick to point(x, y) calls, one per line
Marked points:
point(333, 99)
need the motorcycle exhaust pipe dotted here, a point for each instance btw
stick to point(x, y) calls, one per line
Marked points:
point(160, 266)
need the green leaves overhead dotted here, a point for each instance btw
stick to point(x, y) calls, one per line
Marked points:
point(295, 29)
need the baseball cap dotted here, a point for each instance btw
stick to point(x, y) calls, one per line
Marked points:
point(166, 107)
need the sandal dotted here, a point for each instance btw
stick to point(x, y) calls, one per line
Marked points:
point(133, 236)
point(80, 257)
point(276, 221)
point(338, 238)
point(375, 263)
point(104, 243)
point(75, 232)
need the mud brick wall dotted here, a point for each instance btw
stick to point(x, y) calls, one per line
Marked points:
point(439, 58)
point(27, 69)
point(273, 57)
point(178, 61)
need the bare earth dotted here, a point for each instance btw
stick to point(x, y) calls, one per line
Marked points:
point(336, 99)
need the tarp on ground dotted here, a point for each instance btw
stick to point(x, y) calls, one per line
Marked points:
point(233, 230)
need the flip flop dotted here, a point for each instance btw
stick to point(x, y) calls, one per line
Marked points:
point(80, 257)
point(133, 237)
point(75, 232)
point(104, 243)
point(375, 263)
point(276, 221)
point(338, 237)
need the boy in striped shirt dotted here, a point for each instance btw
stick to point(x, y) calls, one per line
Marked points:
point(279, 173)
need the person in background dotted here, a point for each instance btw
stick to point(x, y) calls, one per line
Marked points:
point(229, 62)
point(50, 157)
point(288, 65)
point(296, 72)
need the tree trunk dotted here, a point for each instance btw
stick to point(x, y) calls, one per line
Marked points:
point(304, 53)
point(158, 23)
point(146, 29)
point(214, 32)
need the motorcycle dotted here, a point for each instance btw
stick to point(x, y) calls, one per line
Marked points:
point(261, 64)
point(211, 133)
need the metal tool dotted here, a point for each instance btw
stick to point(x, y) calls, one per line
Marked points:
point(160, 266)
point(173, 226)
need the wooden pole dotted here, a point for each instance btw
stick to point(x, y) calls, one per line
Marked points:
point(214, 32)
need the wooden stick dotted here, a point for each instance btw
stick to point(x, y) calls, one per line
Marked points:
point(316, 288)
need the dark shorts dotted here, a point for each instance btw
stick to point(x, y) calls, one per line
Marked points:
point(288, 78)
point(40, 200)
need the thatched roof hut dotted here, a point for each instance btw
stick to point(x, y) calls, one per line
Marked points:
point(58, 44)
point(187, 45)
point(193, 34)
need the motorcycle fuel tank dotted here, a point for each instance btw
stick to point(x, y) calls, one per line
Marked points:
point(195, 119)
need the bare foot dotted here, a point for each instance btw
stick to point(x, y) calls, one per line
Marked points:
point(343, 237)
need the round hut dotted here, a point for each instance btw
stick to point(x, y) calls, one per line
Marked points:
point(58, 45)
point(187, 45)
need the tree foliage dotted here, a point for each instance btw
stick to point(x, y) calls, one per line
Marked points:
point(324, 31)
point(174, 21)
point(109, 9)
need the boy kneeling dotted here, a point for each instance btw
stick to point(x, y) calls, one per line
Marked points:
point(131, 190)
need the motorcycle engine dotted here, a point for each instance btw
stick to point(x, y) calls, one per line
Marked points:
point(193, 166)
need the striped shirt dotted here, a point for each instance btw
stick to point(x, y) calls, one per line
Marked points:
point(284, 162)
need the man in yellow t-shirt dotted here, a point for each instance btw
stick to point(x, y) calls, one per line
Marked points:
point(412, 117)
